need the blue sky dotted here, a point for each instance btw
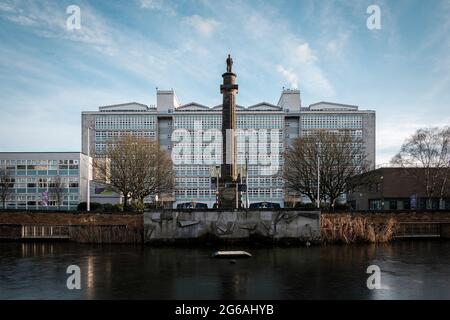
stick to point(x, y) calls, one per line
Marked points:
point(125, 49)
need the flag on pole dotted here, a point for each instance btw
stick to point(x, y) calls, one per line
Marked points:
point(45, 198)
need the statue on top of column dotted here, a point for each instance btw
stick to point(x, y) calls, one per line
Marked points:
point(229, 63)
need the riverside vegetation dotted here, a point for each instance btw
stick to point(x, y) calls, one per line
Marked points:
point(346, 228)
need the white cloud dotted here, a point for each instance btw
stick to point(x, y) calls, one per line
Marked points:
point(262, 43)
point(304, 54)
point(337, 45)
point(275, 44)
point(391, 134)
point(203, 26)
point(289, 76)
point(257, 26)
point(151, 4)
point(22, 20)
point(6, 7)
point(57, 115)
point(158, 5)
point(300, 59)
point(49, 20)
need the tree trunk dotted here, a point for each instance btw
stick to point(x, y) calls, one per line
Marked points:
point(441, 203)
point(125, 203)
point(428, 203)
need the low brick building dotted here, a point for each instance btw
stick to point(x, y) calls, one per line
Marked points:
point(399, 189)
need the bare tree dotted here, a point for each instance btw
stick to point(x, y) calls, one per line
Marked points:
point(135, 167)
point(156, 176)
point(57, 190)
point(6, 185)
point(338, 157)
point(426, 157)
point(300, 167)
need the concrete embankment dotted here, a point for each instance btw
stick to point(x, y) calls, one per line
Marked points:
point(189, 226)
point(228, 226)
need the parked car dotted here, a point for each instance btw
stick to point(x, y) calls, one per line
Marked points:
point(264, 205)
point(192, 205)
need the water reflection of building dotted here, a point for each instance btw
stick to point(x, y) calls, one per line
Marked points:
point(36, 249)
point(234, 283)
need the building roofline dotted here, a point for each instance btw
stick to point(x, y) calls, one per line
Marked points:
point(4, 153)
point(334, 104)
point(193, 104)
point(41, 152)
point(264, 104)
point(337, 111)
point(123, 104)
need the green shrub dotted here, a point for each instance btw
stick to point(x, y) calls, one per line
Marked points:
point(95, 206)
point(307, 206)
point(110, 208)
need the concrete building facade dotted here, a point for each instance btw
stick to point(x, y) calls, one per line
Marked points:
point(36, 175)
point(190, 132)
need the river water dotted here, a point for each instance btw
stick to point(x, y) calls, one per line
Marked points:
point(409, 270)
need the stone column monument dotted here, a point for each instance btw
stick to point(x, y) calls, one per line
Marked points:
point(228, 169)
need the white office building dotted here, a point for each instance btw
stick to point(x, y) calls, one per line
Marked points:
point(45, 180)
point(263, 132)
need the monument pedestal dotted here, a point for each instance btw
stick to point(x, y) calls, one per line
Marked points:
point(227, 195)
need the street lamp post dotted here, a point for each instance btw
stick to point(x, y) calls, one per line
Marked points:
point(246, 182)
point(88, 198)
point(217, 186)
point(318, 176)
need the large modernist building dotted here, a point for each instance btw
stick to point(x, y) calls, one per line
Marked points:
point(45, 180)
point(190, 133)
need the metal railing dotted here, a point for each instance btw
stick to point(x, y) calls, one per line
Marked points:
point(45, 232)
point(418, 230)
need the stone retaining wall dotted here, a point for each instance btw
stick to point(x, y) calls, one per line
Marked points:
point(168, 226)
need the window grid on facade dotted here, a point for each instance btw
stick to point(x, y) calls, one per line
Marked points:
point(31, 178)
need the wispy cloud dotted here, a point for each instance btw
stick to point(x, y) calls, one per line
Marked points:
point(121, 54)
point(158, 5)
point(274, 45)
point(47, 19)
point(151, 4)
point(290, 77)
point(304, 53)
point(392, 133)
point(301, 58)
point(6, 7)
point(338, 43)
point(201, 25)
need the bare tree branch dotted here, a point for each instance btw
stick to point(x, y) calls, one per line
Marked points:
point(426, 157)
point(136, 167)
point(57, 190)
point(6, 185)
point(342, 158)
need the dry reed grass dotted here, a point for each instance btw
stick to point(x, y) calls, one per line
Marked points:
point(352, 229)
